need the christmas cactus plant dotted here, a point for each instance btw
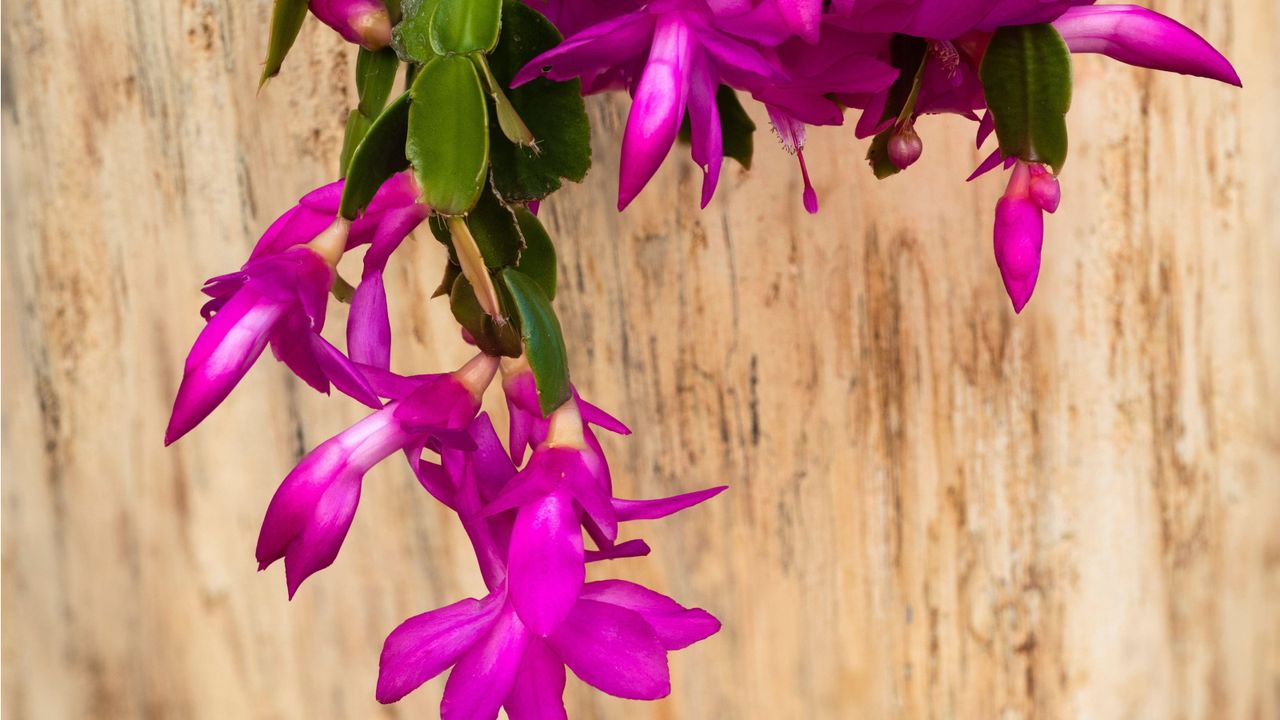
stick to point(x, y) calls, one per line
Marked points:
point(470, 114)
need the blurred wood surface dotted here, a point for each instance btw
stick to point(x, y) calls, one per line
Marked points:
point(938, 509)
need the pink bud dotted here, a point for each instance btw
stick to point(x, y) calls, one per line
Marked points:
point(1019, 237)
point(1045, 190)
point(905, 148)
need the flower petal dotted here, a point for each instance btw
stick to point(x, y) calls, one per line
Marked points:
point(368, 326)
point(593, 50)
point(675, 625)
point(628, 549)
point(662, 507)
point(486, 673)
point(1019, 237)
point(227, 347)
point(426, 645)
point(613, 649)
point(1145, 38)
point(546, 567)
point(707, 144)
point(303, 500)
point(539, 690)
point(316, 547)
point(344, 374)
point(601, 419)
point(658, 107)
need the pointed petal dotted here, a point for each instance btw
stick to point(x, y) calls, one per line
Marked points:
point(272, 241)
point(346, 456)
point(628, 549)
point(325, 199)
point(426, 645)
point(986, 126)
point(658, 107)
point(675, 625)
point(541, 476)
point(227, 347)
point(594, 49)
point(706, 142)
point(390, 385)
point(546, 562)
point(601, 419)
point(1145, 38)
point(539, 690)
point(613, 649)
point(291, 345)
point(588, 483)
point(368, 326)
point(993, 161)
point(344, 374)
point(662, 507)
point(486, 673)
point(433, 478)
point(491, 468)
point(317, 546)
point(739, 64)
point(872, 121)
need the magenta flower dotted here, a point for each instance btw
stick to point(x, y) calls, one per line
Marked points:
point(615, 638)
point(280, 298)
point(673, 56)
point(310, 514)
point(613, 634)
point(363, 22)
point(564, 488)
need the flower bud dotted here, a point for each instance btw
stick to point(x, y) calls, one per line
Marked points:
point(905, 148)
point(1045, 190)
point(1019, 236)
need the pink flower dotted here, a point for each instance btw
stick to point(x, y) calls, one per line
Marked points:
point(511, 647)
point(280, 297)
point(674, 57)
point(310, 514)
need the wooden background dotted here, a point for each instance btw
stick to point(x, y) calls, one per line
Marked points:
point(938, 509)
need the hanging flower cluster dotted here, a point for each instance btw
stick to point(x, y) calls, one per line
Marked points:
point(491, 122)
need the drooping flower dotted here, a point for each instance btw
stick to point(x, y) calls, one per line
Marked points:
point(280, 298)
point(564, 488)
point(309, 516)
point(614, 634)
point(673, 56)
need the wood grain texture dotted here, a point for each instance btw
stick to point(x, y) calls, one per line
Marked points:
point(938, 510)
